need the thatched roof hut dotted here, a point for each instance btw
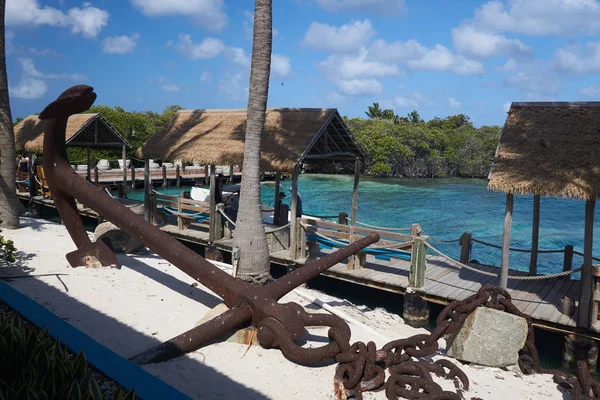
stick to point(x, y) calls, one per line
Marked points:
point(292, 135)
point(549, 149)
point(83, 130)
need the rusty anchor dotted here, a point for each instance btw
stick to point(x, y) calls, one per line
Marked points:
point(279, 325)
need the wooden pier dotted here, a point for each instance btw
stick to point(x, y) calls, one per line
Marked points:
point(444, 281)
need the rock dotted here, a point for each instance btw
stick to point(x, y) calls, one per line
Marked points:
point(490, 337)
point(415, 311)
point(213, 312)
point(116, 239)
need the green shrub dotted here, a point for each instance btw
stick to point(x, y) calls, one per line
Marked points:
point(7, 250)
point(33, 365)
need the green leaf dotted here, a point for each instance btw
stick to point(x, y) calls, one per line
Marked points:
point(94, 389)
point(130, 395)
point(75, 391)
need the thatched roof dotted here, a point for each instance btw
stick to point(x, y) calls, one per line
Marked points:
point(549, 149)
point(83, 130)
point(217, 137)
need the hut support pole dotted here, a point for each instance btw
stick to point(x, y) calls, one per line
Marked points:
point(357, 260)
point(231, 174)
point(293, 222)
point(506, 241)
point(535, 233)
point(276, 202)
point(585, 297)
point(212, 226)
point(124, 168)
point(89, 164)
point(147, 211)
point(206, 174)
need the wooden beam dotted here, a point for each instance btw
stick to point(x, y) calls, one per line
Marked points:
point(336, 154)
point(535, 234)
point(293, 221)
point(506, 241)
point(276, 202)
point(354, 260)
point(212, 205)
point(147, 211)
point(89, 166)
point(585, 297)
point(124, 167)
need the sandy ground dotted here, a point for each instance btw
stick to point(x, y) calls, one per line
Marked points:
point(149, 301)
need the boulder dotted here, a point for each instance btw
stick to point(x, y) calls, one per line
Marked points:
point(490, 337)
point(116, 239)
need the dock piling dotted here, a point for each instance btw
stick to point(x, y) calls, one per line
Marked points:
point(416, 277)
point(466, 245)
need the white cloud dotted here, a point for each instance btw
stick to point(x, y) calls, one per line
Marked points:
point(28, 68)
point(358, 87)
point(413, 100)
point(87, 20)
point(590, 91)
point(347, 38)
point(506, 106)
point(578, 59)
point(205, 77)
point(415, 56)
point(237, 56)
point(356, 66)
point(207, 13)
point(336, 98)
point(453, 103)
point(537, 80)
point(281, 66)
point(371, 6)
point(248, 26)
point(170, 87)
point(509, 65)
point(208, 48)
point(234, 87)
point(120, 44)
point(469, 40)
point(29, 89)
point(539, 17)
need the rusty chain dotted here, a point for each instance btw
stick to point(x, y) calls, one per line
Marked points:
point(361, 367)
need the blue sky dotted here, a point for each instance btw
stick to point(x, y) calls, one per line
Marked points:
point(437, 56)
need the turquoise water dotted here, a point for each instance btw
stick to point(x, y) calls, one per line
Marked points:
point(445, 208)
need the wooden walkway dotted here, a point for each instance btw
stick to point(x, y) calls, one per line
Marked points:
point(445, 283)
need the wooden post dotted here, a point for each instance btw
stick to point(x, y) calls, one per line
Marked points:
point(206, 174)
point(506, 241)
point(415, 230)
point(164, 174)
point(568, 261)
point(132, 177)
point(212, 205)
point(466, 244)
point(294, 204)
point(343, 218)
point(535, 233)
point(96, 178)
point(585, 297)
point(231, 174)
point(218, 223)
point(178, 176)
point(416, 277)
point(355, 260)
point(89, 164)
point(120, 190)
point(147, 180)
point(32, 181)
point(276, 202)
point(124, 167)
point(283, 214)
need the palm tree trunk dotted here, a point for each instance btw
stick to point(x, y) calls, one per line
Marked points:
point(9, 204)
point(249, 236)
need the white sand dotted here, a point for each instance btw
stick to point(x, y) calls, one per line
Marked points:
point(149, 301)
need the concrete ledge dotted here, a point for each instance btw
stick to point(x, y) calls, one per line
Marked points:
point(127, 374)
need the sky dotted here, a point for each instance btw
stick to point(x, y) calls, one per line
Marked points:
point(440, 57)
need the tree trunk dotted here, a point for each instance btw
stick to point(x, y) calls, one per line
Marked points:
point(9, 204)
point(249, 236)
